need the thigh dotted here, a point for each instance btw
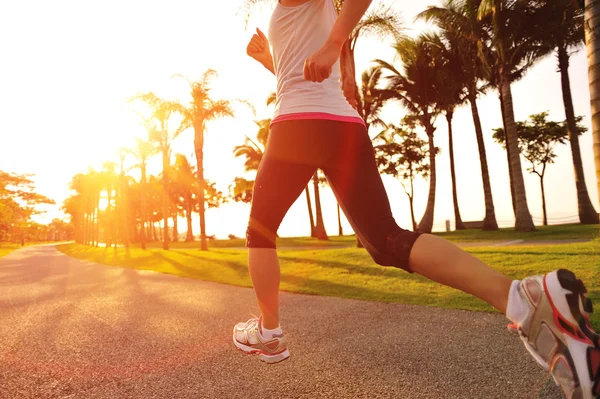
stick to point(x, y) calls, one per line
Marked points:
point(357, 185)
point(278, 184)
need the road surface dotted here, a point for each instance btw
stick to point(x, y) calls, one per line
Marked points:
point(74, 329)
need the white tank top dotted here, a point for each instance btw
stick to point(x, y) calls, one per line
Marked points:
point(295, 33)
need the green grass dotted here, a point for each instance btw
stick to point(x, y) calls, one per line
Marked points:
point(350, 273)
point(562, 232)
point(543, 233)
point(283, 242)
point(6, 248)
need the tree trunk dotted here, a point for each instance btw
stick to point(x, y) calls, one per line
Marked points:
point(124, 215)
point(340, 230)
point(97, 228)
point(84, 228)
point(199, 149)
point(508, 158)
point(592, 39)
point(154, 231)
point(165, 198)
point(320, 225)
point(310, 212)
point(426, 224)
point(458, 220)
point(108, 233)
point(489, 222)
point(189, 237)
point(543, 201)
point(144, 214)
point(587, 213)
point(175, 230)
point(412, 212)
point(523, 221)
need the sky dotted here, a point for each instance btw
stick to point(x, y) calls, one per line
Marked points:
point(69, 66)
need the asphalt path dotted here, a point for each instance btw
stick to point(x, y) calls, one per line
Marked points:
point(75, 329)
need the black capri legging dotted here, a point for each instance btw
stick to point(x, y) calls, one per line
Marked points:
point(343, 150)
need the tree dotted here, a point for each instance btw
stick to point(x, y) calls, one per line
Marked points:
point(320, 233)
point(201, 110)
point(371, 99)
point(592, 39)
point(18, 202)
point(241, 190)
point(450, 94)
point(123, 213)
point(514, 46)
point(108, 183)
point(163, 127)
point(183, 190)
point(415, 86)
point(460, 25)
point(403, 155)
point(538, 138)
point(561, 29)
point(143, 151)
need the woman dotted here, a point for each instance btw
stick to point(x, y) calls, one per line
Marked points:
point(315, 127)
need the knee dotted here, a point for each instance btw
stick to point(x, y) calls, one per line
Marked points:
point(393, 249)
point(258, 236)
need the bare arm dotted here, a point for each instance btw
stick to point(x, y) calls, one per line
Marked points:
point(318, 66)
point(258, 48)
point(351, 13)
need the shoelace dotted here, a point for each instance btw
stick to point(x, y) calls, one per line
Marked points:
point(252, 322)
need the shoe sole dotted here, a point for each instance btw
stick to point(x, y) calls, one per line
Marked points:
point(580, 344)
point(270, 359)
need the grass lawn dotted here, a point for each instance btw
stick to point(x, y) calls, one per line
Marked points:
point(350, 272)
point(562, 232)
point(6, 248)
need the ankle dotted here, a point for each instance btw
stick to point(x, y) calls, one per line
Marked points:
point(269, 324)
point(269, 333)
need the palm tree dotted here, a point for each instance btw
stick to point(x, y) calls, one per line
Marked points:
point(415, 87)
point(184, 190)
point(592, 39)
point(320, 233)
point(201, 110)
point(450, 94)
point(253, 151)
point(162, 132)
point(76, 206)
point(561, 29)
point(511, 24)
point(459, 25)
point(108, 178)
point(143, 151)
point(371, 99)
point(122, 202)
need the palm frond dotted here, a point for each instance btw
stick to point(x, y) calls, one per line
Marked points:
point(249, 7)
point(382, 21)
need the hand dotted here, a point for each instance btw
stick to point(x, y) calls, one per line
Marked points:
point(258, 47)
point(318, 66)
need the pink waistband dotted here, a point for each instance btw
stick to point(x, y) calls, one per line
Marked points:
point(318, 115)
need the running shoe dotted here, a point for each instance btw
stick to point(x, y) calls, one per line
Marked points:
point(247, 337)
point(558, 334)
